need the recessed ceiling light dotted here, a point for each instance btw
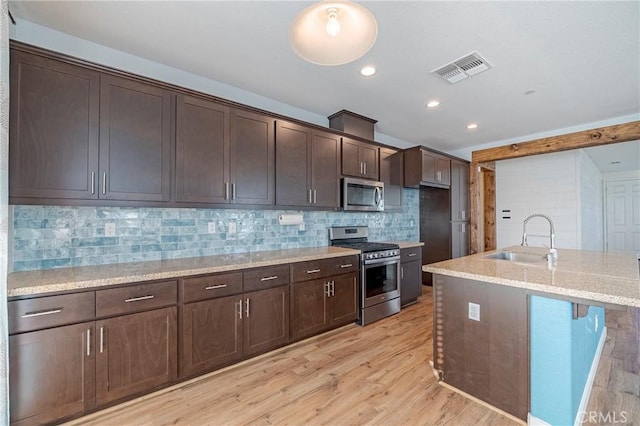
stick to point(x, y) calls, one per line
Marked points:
point(433, 104)
point(368, 71)
point(472, 126)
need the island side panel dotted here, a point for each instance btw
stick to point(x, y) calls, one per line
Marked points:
point(487, 358)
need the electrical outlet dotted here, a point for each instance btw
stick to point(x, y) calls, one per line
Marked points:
point(211, 227)
point(232, 227)
point(110, 229)
point(474, 311)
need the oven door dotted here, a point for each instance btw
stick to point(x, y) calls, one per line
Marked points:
point(380, 280)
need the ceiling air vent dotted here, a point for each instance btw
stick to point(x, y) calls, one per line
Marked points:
point(464, 67)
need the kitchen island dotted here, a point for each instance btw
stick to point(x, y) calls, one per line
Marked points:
point(525, 336)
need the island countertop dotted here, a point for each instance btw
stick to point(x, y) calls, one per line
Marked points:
point(66, 279)
point(609, 278)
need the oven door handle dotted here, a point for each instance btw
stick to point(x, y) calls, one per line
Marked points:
point(383, 261)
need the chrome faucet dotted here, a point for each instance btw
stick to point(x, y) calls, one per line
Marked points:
point(552, 234)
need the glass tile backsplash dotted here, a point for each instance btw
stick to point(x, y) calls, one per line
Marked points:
point(46, 237)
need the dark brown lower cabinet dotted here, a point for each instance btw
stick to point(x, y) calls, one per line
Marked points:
point(135, 353)
point(322, 304)
point(219, 331)
point(52, 373)
point(410, 282)
point(211, 334)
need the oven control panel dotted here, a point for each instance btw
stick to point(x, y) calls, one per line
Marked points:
point(381, 254)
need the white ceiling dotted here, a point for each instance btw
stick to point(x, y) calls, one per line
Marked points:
point(621, 157)
point(581, 59)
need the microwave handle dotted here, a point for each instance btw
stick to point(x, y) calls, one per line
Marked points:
point(378, 195)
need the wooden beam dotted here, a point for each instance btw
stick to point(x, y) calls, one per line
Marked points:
point(489, 206)
point(594, 137)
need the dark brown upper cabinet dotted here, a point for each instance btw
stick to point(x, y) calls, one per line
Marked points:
point(308, 167)
point(223, 155)
point(80, 134)
point(392, 174)
point(359, 159)
point(135, 140)
point(54, 118)
point(423, 167)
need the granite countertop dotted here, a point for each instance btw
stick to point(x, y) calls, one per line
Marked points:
point(610, 278)
point(408, 244)
point(66, 279)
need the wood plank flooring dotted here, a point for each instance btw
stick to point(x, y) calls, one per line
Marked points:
point(374, 375)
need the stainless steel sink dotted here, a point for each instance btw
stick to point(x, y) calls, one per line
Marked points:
point(517, 257)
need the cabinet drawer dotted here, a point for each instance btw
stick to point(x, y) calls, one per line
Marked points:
point(411, 254)
point(322, 268)
point(134, 298)
point(211, 286)
point(50, 311)
point(262, 278)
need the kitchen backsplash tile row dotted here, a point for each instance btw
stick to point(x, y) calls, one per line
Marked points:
point(47, 237)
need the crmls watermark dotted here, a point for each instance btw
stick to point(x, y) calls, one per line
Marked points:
point(599, 417)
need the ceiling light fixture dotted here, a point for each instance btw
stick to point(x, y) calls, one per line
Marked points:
point(368, 71)
point(472, 126)
point(433, 104)
point(333, 32)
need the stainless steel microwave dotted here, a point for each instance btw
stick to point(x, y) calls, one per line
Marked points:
point(362, 195)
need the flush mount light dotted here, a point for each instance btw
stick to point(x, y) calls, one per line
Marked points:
point(432, 104)
point(333, 32)
point(368, 71)
point(472, 126)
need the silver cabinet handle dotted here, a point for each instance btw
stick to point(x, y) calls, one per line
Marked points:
point(402, 272)
point(41, 313)
point(463, 214)
point(333, 288)
point(137, 299)
point(309, 196)
point(240, 308)
point(365, 168)
point(327, 289)
point(315, 197)
point(412, 254)
point(89, 342)
point(101, 339)
point(104, 183)
point(463, 228)
point(246, 308)
point(233, 191)
point(274, 277)
point(346, 265)
point(93, 183)
point(213, 287)
point(313, 271)
point(438, 176)
point(226, 190)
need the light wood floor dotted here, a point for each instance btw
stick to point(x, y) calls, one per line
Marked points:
point(377, 374)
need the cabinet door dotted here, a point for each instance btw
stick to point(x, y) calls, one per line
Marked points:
point(351, 163)
point(309, 308)
point(53, 149)
point(459, 191)
point(211, 334)
point(293, 154)
point(325, 169)
point(428, 167)
point(266, 320)
point(135, 353)
point(369, 157)
point(202, 151)
point(410, 282)
point(344, 299)
point(252, 161)
point(135, 140)
point(443, 170)
point(392, 173)
point(52, 373)
point(459, 239)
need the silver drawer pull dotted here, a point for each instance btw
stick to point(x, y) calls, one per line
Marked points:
point(40, 313)
point(275, 277)
point(412, 254)
point(313, 271)
point(137, 299)
point(348, 265)
point(213, 287)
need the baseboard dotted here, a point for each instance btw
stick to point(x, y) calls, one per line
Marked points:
point(534, 421)
point(586, 394)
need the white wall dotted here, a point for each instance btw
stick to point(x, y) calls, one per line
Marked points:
point(566, 186)
point(591, 204)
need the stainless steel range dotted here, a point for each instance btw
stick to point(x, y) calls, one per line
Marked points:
point(379, 289)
